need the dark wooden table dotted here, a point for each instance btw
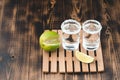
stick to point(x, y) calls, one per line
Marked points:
point(23, 21)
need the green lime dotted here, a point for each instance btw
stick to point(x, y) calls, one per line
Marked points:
point(84, 57)
point(49, 40)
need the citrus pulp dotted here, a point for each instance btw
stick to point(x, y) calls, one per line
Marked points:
point(83, 57)
point(49, 40)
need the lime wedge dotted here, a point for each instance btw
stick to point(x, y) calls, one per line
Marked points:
point(49, 40)
point(83, 57)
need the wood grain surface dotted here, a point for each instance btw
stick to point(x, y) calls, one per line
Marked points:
point(23, 21)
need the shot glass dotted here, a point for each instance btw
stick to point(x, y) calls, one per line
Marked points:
point(70, 34)
point(91, 34)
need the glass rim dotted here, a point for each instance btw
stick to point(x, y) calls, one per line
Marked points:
point(70, 20)
point(94, 21)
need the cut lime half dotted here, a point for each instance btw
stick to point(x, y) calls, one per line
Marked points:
point(49, 40)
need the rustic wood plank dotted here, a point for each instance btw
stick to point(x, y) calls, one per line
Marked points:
point(34, 55)
point(96, 77)
point(33, 65)
point(2, 3)
point(20, 63)
point(54, 61)
point(45, 61)
point(93, 64)
point(69, 64)
point(61, 56)
point(61, 60)
point(84, 65)
point(100, 59)
point(25, 66)
point(19, 56)
point(80, 10)
point(69, 76)
point(76, 64)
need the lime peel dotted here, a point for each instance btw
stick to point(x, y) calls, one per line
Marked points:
point(49, 40)
point(83, 57)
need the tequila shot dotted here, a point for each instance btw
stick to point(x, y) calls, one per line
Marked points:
point(70, 34)
point(91, 34)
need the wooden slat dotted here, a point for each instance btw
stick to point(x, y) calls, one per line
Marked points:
point(76, 61)
point(84, 65)
point(45, 61)
point(61, 60)
point(100, 59)
point(93, 64)
point(76, 65)
point(54, 61)
point(61, 56)
point(69, 65)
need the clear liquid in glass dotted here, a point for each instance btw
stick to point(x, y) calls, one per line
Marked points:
point(91, 34)
point(70, 35)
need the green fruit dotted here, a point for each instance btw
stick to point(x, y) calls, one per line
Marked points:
point(49, 40)
point(84, 57)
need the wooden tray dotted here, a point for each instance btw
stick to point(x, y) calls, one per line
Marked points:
point(64, 61)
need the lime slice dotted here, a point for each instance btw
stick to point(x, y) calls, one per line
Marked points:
point(49, 40)
point(83, 57)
